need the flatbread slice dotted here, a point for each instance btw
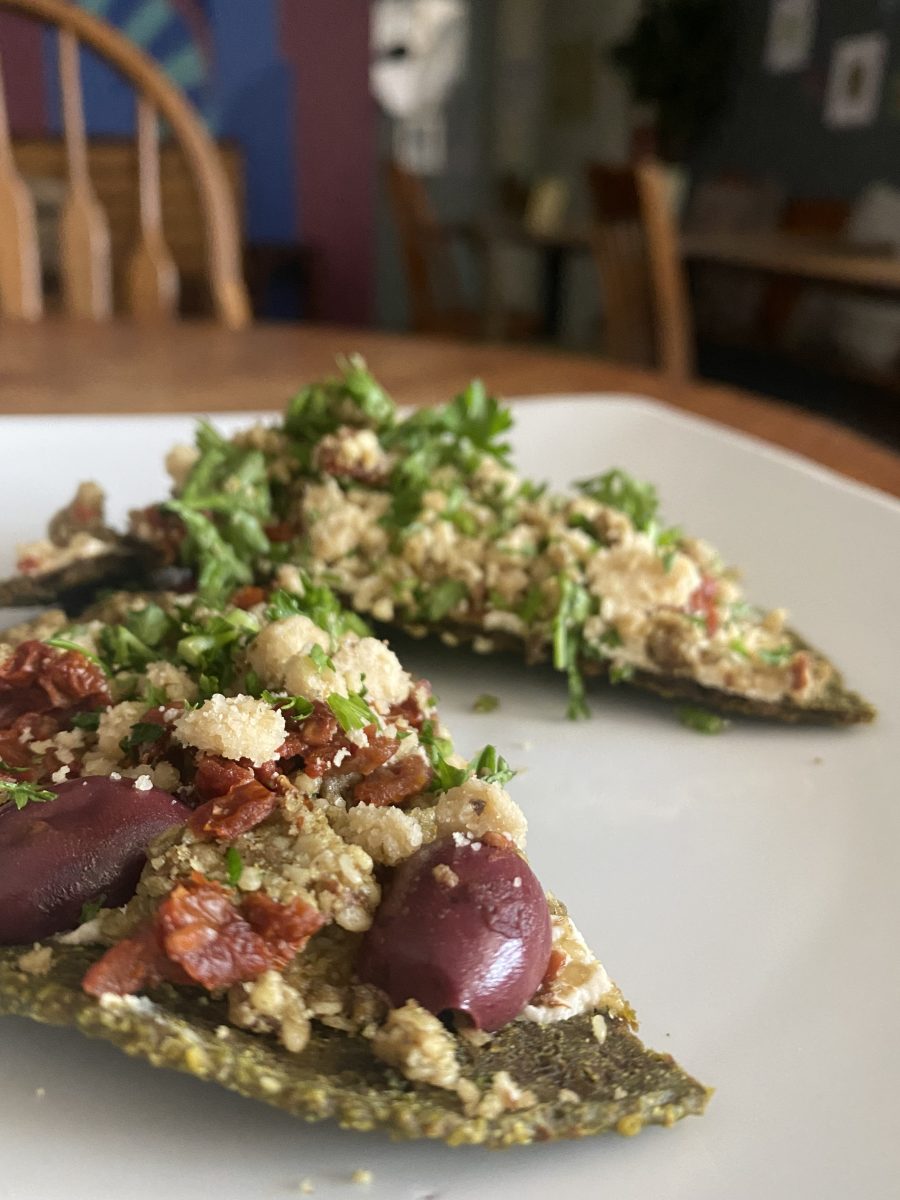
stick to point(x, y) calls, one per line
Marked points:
point(320, 930)
point(420, 523)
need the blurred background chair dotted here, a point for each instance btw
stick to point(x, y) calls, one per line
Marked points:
point(148, 280)
point(645, 299)
point(437, 297)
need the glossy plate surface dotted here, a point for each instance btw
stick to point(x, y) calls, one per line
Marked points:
point(743, 889)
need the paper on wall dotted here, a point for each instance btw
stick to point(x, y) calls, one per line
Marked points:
point(853, 94)
point(789, 40)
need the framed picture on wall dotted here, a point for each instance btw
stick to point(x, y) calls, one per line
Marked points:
point(790, 35)
point(855, 81)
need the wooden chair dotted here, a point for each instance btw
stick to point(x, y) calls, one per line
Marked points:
point(436, 295)
point(810, 216)
point(647, 315)
point(85, 257)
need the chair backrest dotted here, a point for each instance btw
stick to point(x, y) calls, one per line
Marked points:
point(431, 274)
point(647, 316)
point(85, 257)
point(816, 215)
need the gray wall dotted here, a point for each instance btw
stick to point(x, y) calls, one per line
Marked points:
point(462, 191)
point(773, 124)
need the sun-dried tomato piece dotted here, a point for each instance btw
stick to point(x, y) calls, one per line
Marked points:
point(201, 934)
point(239, 810)
point(320, 728)
point(39, 678)
point(132, 965)
point(163, 531)
point(285, 928)
point(800, 671)
point(555, 964)
point(394, 783)
point(411, 708)
point(703, 601)
point(328, 460)
point(248, 597)
point(15, 746)
point(280, 531)
point(217, 775)
point(364, 760)
point(202, 930)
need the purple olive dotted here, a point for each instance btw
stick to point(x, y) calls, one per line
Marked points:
point(463, 927)
point(90, 841)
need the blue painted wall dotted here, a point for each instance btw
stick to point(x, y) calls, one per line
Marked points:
point(226, 56)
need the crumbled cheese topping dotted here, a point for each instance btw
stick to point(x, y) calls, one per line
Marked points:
point(278, 644)
point(477, 807)
point(581, 986)
point(233, 726)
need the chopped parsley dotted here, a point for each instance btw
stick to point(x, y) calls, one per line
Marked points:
point(234, 866)
point(620, 672)
point(143, 733)
point(321, 605)
point(297, 706)
point(778, 656)
point(485, 703)
point(320, 659)
point(458, 435)
point(617, 489)
point(64, 643)
point(568, 625)
point(353, 399)
point(701, 720)
point(351, 711)
point(224, 506)
point(20, 793)
point(87, 720)
point(491, 767)
point(439, 749)
point(442, 598)
point(90, 908)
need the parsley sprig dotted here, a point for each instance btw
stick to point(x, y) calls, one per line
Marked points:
point(353, 398)
point(352, 711)
point(20, 793)
point(568, 636)
point(224, 507)
point(457, 435)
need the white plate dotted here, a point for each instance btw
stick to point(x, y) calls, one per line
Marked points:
point(744, 890)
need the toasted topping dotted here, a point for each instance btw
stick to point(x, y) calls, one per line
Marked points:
point(235, 727)
point(417, 1044)
point(476, 808)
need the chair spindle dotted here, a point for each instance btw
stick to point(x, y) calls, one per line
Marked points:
point(152, 274)
point(20, 267)
point(85, 253)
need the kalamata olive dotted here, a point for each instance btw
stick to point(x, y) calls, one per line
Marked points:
point(462, 926)
point(90, 841)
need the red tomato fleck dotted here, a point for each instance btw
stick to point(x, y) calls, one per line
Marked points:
point(202, 934)
point(132, 965)
point(285, 928)
point(702, 600)
point(39, 679)
point(239, 810)
point(247, 597)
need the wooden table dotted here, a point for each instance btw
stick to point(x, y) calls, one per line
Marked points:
point(867, 268)
point(823, 260)
point(66, 368)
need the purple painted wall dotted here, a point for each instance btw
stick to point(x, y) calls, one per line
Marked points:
point(328, 43)
point(23, 73)
point(288, 79)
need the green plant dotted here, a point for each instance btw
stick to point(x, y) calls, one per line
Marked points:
point(678, 58)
